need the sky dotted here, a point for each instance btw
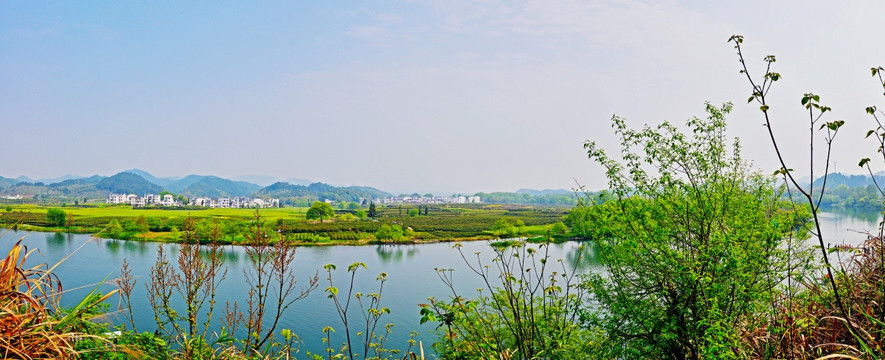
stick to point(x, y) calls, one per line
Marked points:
point(427, 96)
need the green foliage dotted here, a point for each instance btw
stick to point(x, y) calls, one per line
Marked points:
point(126, 345)
point(691, 248)
point(56, 216)
point(345, 235)
point(373, 212)
point(308, 237)
point(363, 340)
point(503, 228)
point(413, 212)
point(559, 228)
point(518, 198)
point(390, 232)
point(320, 210)
point(295, 193)
point(346, 217)
point(113, 231)
point(532, 314)
point(841, 195)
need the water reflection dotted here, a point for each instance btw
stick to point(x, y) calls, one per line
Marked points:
point(859, 214)
point(231, 257)
point(583, 257)
point(133, 247)
point(388, 253)
point(113, 246)
point(55, 242)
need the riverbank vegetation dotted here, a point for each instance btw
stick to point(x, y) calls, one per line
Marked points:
point(322, 226)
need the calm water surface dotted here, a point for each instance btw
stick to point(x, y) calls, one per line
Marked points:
point(412, 278)
point(410, 269)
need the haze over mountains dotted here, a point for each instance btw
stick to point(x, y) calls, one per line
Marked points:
point(293, 191)
point(137, 181)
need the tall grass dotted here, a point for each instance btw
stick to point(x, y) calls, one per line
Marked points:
point(31, 324)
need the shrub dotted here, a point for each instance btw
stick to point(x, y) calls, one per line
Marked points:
point(689, 251)
point(56, 216)
point(388, 232)
point(533, 314)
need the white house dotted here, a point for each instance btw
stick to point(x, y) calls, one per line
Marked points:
point(120, 198)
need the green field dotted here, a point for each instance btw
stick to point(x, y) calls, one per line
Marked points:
point(442, 222)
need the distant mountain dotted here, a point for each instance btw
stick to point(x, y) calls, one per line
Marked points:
point(213, 186)
point(92, 180)
point(129, 183)
point(260, 180)
point(284, 190)
point(24, 179)
point(180, 185)
point(58, 179)
point(7, 182)
point(534, 192)
point(836, 179)
point(321, 191)
point(147, 176)
point(298, 181)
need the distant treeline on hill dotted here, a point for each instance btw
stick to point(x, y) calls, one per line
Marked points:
point(850, 191)
point(96, 189)
point(569, 199)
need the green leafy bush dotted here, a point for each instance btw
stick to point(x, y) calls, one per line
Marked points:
point(691, 248)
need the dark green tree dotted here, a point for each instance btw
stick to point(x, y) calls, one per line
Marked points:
point(372, 211)
point(56, 216)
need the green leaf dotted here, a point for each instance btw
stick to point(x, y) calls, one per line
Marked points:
point(871, 110)
point(816, 97)
point(863, 162)
point(805, 100)
point(356, 265)
point(835, 125)
point(871, 132)
point(751, 99)
point(763, 108)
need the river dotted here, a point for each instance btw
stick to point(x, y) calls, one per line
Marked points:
point(412, 278)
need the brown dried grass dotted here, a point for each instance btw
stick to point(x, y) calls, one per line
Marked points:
point(28, 297)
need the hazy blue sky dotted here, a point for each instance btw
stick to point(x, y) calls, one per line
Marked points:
point(410, 96)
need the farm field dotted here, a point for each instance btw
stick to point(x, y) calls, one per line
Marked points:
point(441, 222)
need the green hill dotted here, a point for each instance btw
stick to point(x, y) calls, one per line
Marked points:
point(213, 186)
point(320, 191)
point(129, 183)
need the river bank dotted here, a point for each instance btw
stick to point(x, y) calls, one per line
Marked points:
point(392, 225)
